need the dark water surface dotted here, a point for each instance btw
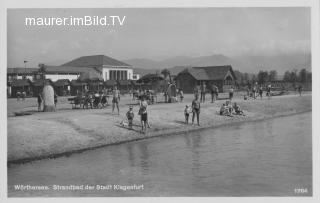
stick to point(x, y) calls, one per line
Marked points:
point(268, 158)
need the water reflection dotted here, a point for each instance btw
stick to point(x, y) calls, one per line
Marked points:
point(255, 159)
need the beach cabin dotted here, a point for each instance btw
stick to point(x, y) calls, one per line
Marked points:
point(221, 76)
point(62, 87)
point(20, 85)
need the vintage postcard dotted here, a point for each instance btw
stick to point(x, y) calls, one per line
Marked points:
point(180, 100)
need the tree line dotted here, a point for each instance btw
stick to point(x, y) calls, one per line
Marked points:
point(262, 77)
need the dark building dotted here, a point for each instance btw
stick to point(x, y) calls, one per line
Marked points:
point(221, 76)
point(62, 87)
point(20, 85)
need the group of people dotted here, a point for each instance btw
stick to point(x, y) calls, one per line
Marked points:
point(256, 91)
point(227, 109)
point(143, 113)
point(200, 91)
point(21, 95)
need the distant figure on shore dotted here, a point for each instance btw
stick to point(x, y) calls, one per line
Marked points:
point(269, 91)
point(196, 91)
point(300, 90)
point(186, 114)
point(214, 93)
point(260, 91)
point(115, 99)
point(181, 94)
point(203, 92)
point(130, 116)
point(55, 100)
point(18, 94)
point(196, 110)
point(231, 93)
point(143, 114)
point(254, 91)
point(39, 98)
point(23, 95)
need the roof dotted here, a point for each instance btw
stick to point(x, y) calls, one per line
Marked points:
point(95, 61)
point(21, 83)
point(76, 83)
point(21, 70)
point(110, 82)
point(62, 82)
point(40, 82)
point(209, 72)
point(67, 70)
point(124, 82)
point(90, 76)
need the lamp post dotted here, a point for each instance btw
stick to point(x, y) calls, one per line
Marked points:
point(25, 68)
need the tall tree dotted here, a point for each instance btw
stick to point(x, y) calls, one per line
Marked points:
point(302, 75)
point(262, 77)
point(273, 75)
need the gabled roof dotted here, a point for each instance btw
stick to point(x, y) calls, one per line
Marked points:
point(110, 82)
point(95, 61)
point(21, 70)
point(62, 82)
point(76, 83)
point(21, 83)
point(67, 70)
point(39, 83)
point(209, 72)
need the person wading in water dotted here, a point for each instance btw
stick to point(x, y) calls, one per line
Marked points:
point(116, 98)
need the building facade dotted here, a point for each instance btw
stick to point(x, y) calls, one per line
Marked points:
point(221, 76)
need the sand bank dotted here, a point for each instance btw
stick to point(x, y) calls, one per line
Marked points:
point(47, 135)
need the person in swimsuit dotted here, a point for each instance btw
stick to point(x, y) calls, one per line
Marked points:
point(196, 110)
point(115, 99)
point(143, 114)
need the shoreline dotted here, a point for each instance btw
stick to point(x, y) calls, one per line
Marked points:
point(173, 133)
point(62, 133)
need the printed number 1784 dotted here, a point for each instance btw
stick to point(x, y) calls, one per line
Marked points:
point(301, 190)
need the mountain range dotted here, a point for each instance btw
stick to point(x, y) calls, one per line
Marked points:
point(245, 63)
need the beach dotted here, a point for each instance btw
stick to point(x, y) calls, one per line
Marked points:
point(47, 135)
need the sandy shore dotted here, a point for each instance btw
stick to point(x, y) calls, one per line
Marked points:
point(45, 135)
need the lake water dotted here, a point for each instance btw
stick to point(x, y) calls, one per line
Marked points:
point(268, 158)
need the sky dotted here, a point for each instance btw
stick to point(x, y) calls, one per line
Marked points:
point(158, 33)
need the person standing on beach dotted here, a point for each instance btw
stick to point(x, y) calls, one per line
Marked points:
point(115, 99)
point(260, 91)
point(196, 110)
point(203, 92)
point(300, 90)
point(143, 114)
point(39, 98)
point(214, 93)
point(196, 91)
point(269, 91)
point(231, 93)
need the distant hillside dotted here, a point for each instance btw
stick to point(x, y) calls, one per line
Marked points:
point(246, 63)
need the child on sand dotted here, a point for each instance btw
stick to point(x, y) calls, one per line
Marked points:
point(130, 116)
point(186, 113)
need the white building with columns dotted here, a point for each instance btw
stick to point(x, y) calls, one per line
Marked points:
point(109, 68)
